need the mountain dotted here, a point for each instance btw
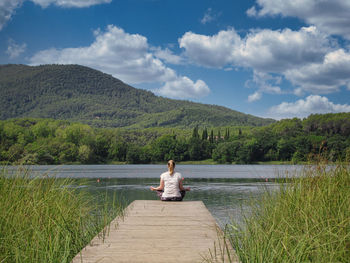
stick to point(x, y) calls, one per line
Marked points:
point(78, 93)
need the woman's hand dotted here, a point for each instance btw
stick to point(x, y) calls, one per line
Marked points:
point(152, 188)
point(187, 189)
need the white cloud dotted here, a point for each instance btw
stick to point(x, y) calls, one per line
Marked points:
point(254, 97)
point(325, 77)
point(303, 108)
point(330, 16)
point(184, 87)
point(275, 51)
point(308, 58)
point(14, 49)
point(114, 51)
point(7, 8)
point(167, 56)
point(211, 51)
point(265, 50)
point(70, 3)
point(125, 56)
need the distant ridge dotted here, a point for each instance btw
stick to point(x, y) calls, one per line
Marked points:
point(78, 93)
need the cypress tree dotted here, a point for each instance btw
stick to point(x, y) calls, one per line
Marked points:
point(205, 134)
point(227, 134)
point(211, 138)
point(195, 133)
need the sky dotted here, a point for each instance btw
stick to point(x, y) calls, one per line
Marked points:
point(269, 58)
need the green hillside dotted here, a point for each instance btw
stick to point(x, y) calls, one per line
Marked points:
point(77, 93)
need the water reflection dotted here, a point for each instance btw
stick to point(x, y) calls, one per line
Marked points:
point(225, 198)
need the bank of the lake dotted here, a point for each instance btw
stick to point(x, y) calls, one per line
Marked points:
point(307, 220)
point(44, 220)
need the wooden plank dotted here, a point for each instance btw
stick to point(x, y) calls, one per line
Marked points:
point(156, 231)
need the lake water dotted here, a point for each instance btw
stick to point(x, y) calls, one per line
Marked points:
point(224, 189)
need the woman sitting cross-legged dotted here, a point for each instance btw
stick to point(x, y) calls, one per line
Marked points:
point(170, 187)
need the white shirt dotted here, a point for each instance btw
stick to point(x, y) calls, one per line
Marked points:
point(171, 184)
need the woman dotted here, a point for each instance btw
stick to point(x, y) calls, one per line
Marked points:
point(170, 187)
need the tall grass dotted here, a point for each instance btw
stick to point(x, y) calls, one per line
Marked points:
point(307, 220)
point(45, 220)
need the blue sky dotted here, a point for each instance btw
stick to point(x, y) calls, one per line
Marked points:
point(269, 58)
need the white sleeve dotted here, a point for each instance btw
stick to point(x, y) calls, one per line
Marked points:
point(179, 177)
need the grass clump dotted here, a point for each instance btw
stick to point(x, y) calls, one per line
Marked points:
point(45, 219)
point(307, 220)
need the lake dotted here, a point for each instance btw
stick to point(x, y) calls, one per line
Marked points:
point(224, 189)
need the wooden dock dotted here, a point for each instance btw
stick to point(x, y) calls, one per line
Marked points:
point(156, 231)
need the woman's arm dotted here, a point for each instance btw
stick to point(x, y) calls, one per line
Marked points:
point(182, 188)
point(159, 188)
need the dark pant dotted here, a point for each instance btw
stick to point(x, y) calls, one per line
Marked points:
point(160, 193)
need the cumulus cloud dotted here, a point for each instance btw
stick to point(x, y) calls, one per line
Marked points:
point(184, 87)
point(7, 7)
point(211, 51)
point(331, 16)
point(14, 49)
point(263, 50)
point(167, 55)
point(302, 108)
point(310, 59)
point(125, 56)
point(325, 77)
point(121, 54)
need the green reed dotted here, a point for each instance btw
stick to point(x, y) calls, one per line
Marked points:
point(46, 219)
point(307, 220)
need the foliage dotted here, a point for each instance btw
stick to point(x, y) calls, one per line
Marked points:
point(77, 93)
point(47, 141)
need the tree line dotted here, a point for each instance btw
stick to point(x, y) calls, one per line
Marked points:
point(47, 141)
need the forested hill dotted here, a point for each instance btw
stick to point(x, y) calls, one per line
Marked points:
point(77, 93)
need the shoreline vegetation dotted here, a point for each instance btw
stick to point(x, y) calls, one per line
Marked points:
point(307, 220)
point(291, 141)
point(45, 219)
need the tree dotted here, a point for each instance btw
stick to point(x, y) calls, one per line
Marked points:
point(67, 152)
point(117, 150)
point(85, 154)
point(227, 134)
point(101, 147)
point(205, 134)
point(219, 136)
point(133, 154)
point(198, 149)
point(195, 133)
point(164, 148)
point(225, 152)
point(211, 138)
point(285, 149)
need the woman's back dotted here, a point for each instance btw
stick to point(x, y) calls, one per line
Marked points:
point(171, 184)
